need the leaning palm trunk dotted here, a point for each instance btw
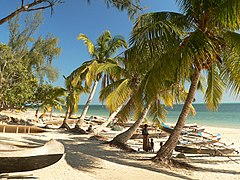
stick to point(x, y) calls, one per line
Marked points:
point(64, 124)
point(85, 109)
point(165, 153)
point(125, 136)
point(97, 130)
point(70, 112)
point(36, 114)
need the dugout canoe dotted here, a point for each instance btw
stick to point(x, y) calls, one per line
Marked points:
point(31, 158)
point(4, 128)
point(204, 150)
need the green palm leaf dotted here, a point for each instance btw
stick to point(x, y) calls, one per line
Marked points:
point(229, 14)
point(119, 95)
point(214, 90)
point(87, 42)
point(165, 26)
point(157, 112)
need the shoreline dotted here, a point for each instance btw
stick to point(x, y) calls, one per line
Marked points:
point(227, 115)
point(30, 114)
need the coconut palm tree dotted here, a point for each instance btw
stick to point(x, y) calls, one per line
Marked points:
point(168, 94)
point(72, 100)
point(154, 103)
point(53, 99)
point(201, 38)
point(101, 53)
point(117, 93)
point(134, 89)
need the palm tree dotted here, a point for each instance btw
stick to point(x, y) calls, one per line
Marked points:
point(53, 99)
point(117, 93)
point(101, 53)
point(135, 90)
point(72, 100)
point(152, 103)
point(199, 39)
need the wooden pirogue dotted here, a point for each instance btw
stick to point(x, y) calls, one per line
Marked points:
point(20, 129)
point(15, 159)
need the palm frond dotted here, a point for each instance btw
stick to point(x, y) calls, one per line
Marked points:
point(232, 40)
point(201, 83)
point(103, 39)
point(78, 75)
point(87, 42)
point(126, 112)
point(157, 112)
point(192, 110)
point(114, 70)
point(165, 26)
point(231, 71)
point(132, 7)
point(116, 43)
point(119, 96)
point(228, 13)
point(198, 47)
point(109, 89)
point(92, 73)
point(215, 89)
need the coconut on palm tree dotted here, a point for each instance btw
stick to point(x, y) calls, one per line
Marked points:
point(202, 38)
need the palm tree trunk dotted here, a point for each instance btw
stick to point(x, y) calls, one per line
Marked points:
point(84, 112)
point(51, 112)
point(165, 153)
point(70, 112)
point(64, 124)
point(97, 130)
point(36, 114)
point(125, 136)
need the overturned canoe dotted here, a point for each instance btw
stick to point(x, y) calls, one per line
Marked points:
point(31, 158)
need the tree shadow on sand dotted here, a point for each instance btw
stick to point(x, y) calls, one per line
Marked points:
point(86, 155)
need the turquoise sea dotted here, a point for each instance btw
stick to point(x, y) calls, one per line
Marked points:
point(228, 114)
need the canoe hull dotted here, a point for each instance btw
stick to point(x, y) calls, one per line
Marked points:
point(31, 158)
point(20, 129)
point(21, 164)
point(210, 151)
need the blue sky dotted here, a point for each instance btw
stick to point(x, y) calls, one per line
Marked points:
point(77, 16)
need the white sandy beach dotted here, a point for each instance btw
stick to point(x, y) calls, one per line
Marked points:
point(90, 159)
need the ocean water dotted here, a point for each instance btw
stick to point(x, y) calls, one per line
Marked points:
point(228, 115)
